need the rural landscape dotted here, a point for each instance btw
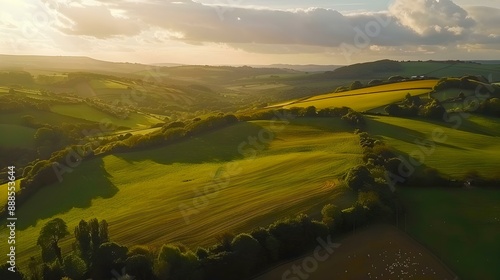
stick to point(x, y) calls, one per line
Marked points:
point(294, 157)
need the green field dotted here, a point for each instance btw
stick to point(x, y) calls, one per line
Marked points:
point(106, 84)
point(462, 227)
point(12, 135)
point(367, 98)
point(473, 146)
point(85, 112)
point(40, 117)
point(140, 193)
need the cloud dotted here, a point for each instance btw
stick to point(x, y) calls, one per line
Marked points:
point(96, 21)
point(434, 19)
point(406, 23)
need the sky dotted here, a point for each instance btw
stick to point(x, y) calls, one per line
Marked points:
point(252, 32)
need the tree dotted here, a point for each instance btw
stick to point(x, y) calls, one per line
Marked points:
point(356, 85)
point(332, 216)
point(28, 120)
point(107, 257)
point(44, 136)
point(74, 267)
point(247, 249)
point(139, 266)
point(359, 177)
point(50, 234)
point(83, 238)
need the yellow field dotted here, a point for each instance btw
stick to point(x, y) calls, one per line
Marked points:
point(365, 99)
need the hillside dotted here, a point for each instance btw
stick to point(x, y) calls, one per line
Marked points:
point(167, 181)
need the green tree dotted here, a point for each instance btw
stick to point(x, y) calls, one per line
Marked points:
point(50, 234)
point(74, 267)
point(139, 266)
point(247, 249)
point(83, 240)
point(359, 177)
point(332, 216)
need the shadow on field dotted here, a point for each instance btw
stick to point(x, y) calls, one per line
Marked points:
point(461, 123)
point(219, 146)
point(77, 190)
point(393, 131)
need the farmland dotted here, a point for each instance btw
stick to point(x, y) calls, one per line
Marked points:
point(366, 98)
point(102, 186)
point(207, 160)
point(460, 150)
point(359, 256)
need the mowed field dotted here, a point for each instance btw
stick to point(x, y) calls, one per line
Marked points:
point(376, 252)
point(461, 226)
point(142, 194)
point(472, 146)
point(85, 112)
point(366, 98)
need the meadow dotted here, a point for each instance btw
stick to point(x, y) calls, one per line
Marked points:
point(465, 233)
point(16, 136)
point(472, 146)
point(141, 194)
point(85, 112)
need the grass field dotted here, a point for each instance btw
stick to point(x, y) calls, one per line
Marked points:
point(368, 98)
point(376, 252)
point(16, 136)
point(40, 117)
point(462, 227)
point(106, 84)
point(473, 146)
point(86, 112)
point(139, 193)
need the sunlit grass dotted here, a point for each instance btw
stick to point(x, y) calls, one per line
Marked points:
point(139, 193)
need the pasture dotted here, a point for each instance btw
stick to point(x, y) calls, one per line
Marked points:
point(143, 195)
point(460, 226)
point(375, 252)
point(473, 145)
point(85, 112)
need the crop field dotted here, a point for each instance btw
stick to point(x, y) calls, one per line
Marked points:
point(367, 98)
point(16, 136)
point(4, 191)
point(106, 84)
point(465, 233)
point(86, 112)
point(141, 194)
point(376, 252)
point(362, 102)
point(473, 145)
